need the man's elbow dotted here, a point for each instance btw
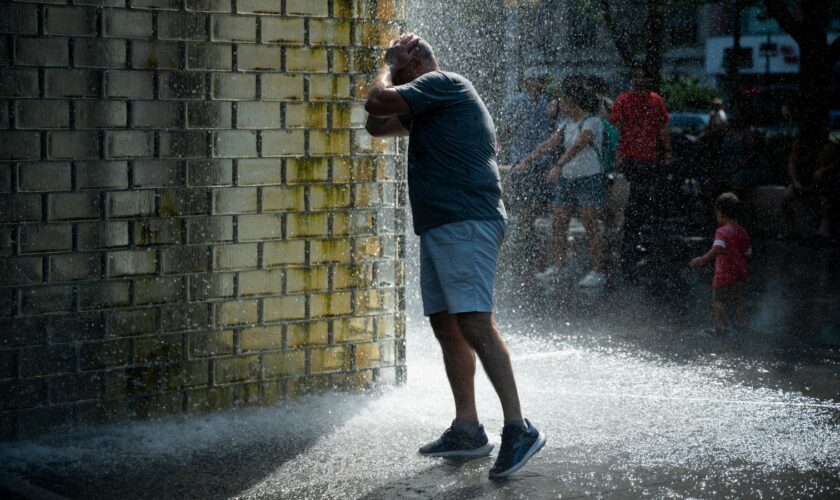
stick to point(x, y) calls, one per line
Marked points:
point(374, 107)
point(372, 129)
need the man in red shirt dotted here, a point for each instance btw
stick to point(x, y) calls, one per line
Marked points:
point(641, 117)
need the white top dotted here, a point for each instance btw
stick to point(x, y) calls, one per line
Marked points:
point(588, 160)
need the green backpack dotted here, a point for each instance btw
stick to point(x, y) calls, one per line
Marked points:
point(609, 146)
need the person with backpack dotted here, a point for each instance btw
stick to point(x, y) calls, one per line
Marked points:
point(578, 176)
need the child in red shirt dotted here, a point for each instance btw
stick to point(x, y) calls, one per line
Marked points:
point(730, 250)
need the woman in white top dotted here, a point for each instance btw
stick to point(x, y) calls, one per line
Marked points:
point(578, 175)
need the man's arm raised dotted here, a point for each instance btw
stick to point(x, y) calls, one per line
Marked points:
point(383, 105)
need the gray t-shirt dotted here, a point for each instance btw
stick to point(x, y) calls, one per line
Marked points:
point(452, 171)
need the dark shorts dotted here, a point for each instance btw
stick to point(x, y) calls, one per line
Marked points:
point(729, 294)
point(580, 192)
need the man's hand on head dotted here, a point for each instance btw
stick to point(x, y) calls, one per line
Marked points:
point(400, 51)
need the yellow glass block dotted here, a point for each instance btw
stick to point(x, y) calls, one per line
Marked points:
point(326, 197)
point(341, 60)
point(284, 253)
point(368, 248)
point(348, 8)
point(260, 227)
point(307, 60)
point(310, 333)
point(284, 363)
point(341, 115)
point(366, 143)
point(211, 343)
point(360, 88)
point(309, 279)
point(391, 9)
point(367, 355)
point(364, 169)
point(359, 329)
point(376, 33)
point(307, 8)
point(330, 304)
point(321, 251)
point(358, 115)
point(329, 142)
point(389, 300)
point(367, 195)
point(309, 115)
point(368, 301)
point(216, 398)
point(358, 222)
point(359, 276)
point(282, 87)
point(341, 224)
point(367, 60)
point(305, 170)
point(306, 225)
point(329, 87)
point(284, 308)
point(353, 381)
point(329, 32)
point(239, 312)
point(283, 198)
point(261, 338)
point(261, 393)
point(260, 282)
point(282, 30)
point(330, 359)
point(373, 355)
point(386, 327)
point(342, 170)
point(283, 143)
point(312, 384)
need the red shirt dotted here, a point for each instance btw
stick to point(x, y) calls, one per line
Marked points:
point(731, 263)
point(639, 118)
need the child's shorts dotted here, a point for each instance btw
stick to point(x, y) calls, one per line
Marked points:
point(580, 192)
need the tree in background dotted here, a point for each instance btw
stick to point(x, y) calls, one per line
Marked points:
point(688, 94)
point(632, 38)
point(808, 21)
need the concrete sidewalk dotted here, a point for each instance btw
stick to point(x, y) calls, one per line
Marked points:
point(636, 402)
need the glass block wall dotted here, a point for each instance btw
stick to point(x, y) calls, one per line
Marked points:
point(191, 216)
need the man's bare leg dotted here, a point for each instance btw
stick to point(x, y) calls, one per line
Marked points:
point(479, 330)
point(459, 359)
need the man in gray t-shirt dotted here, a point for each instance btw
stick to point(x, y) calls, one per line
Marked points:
point(455, 195)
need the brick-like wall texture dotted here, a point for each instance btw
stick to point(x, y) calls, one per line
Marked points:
point(191, 216)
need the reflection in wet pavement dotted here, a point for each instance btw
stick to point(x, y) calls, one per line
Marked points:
point(635, 399)
point(620, 423)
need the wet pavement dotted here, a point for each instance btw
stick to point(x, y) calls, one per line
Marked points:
point(635, 399)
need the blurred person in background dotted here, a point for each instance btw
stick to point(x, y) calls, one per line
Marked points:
point(642, 118)
point(579, 180)
point(528, 119)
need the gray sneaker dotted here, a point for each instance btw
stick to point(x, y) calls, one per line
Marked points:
point(457, 444)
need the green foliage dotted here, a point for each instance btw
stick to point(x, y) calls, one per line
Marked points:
point(688, 94)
